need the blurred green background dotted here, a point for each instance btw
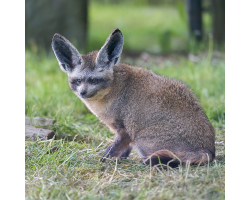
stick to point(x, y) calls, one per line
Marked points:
point(155, 26)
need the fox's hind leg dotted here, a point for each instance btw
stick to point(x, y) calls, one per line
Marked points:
point(174, 159)
point(165, 160)
point(164, 157)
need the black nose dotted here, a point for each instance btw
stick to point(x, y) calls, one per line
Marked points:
point(83, 92)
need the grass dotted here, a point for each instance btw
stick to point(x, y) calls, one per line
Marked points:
point(69, 167)
point(74, 172)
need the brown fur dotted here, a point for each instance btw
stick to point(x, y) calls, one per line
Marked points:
point(158, 116)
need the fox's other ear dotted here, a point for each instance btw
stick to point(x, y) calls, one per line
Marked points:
point(109, 54)
point(66, 54)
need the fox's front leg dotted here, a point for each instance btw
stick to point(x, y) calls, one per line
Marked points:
point(126, 153)
point(120, 145)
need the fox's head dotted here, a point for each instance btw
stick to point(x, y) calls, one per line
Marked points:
point(89, 75)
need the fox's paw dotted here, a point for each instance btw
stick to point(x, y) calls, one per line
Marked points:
point(107, 153)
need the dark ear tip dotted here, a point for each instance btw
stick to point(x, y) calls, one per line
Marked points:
point(57, 36)
point(117, 30)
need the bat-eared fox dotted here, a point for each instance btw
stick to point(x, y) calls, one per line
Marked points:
point(157, 116)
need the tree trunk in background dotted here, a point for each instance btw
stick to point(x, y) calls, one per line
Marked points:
point(194, 11)
point(85, 5)
point(218, 12)
point(46, 17)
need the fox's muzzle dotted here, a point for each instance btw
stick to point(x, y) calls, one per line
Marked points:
point(83, 93)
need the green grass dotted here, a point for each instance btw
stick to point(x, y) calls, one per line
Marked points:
point(69, 168)
point(74, 172)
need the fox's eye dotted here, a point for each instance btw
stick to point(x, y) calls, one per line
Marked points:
point(78, 81)
point(94, 81)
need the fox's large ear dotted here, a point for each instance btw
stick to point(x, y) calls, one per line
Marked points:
point(109, 54)
point(66, 54)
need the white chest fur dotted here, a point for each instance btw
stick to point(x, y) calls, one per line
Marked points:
point(101, 110)
point(96, 107)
